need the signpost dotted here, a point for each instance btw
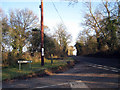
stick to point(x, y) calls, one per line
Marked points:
point(51, 58)
point(20, 62)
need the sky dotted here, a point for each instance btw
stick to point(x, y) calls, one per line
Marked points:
point(72, 15)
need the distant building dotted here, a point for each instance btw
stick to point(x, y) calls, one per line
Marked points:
point(70, 50)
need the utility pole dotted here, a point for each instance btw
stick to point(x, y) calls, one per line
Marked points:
point(42, 35)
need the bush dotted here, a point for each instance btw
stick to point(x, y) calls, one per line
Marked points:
point(9, 59)
point(106, 54)
point(5, 59)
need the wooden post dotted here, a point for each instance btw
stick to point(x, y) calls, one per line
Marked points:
point(42, 35)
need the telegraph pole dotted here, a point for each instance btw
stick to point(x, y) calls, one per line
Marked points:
point(42, 35)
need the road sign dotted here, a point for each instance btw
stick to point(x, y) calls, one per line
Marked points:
point(20, 62)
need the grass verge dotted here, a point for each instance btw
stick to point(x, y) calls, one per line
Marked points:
point(9, 73)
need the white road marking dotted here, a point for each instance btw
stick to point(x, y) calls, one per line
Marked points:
point(99, 65)
point(76, 84)
point(62, 84)
point(42, 87)
point(114, 70)
point(105, 67)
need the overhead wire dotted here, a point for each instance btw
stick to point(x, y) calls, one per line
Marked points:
point(58, 14)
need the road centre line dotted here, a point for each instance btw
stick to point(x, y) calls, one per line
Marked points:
point(105, 67)
point(114, 70)
point(42, 87)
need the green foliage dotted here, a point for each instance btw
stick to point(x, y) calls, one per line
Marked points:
point(9, 59)
point(15, 32)
point(35, 41)
point(110, 30)
point(79, 48)
point(90, 46)
point(50, 44)
point(101, 29)
point(53, 45)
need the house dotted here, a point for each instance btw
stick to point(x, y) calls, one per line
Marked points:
point(70, 50)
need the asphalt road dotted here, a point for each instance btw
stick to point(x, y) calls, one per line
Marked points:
point(88, 73)
point(111, 62)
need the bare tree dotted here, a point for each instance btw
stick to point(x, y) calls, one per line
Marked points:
point(4, 29)
point(94, 20)
point(62, 37)
point(21, 22)
point(0, 30)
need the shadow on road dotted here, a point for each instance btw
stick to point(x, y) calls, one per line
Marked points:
point(82, 72)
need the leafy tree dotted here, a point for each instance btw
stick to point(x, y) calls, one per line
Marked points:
point(49, 43)
point(111, 35)
point(49, 46)
point(79, 47)
point(35, 41)
point(91, 45)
